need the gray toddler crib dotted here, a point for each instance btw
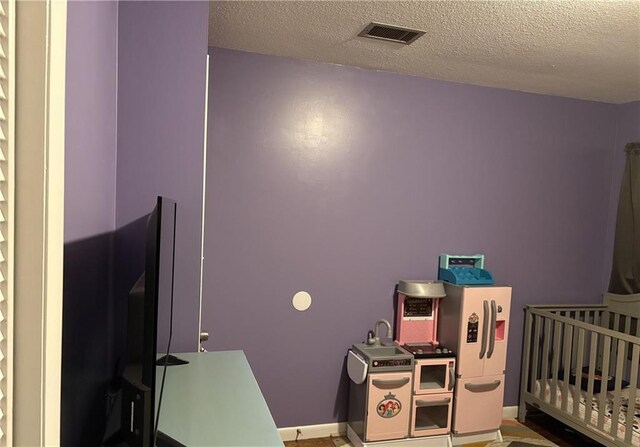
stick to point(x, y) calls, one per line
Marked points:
point(580, 366)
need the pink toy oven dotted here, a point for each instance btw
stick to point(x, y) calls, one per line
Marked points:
point(434, 367)
point(433, 381)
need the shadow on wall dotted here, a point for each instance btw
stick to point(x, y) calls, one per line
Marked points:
point(86, 340)
point(98, 274)
point(341, 407)
point(129, 243)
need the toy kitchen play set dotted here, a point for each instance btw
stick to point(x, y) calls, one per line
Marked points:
point(441, 381)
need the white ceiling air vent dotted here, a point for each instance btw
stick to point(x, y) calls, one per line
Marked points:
point(390, 33)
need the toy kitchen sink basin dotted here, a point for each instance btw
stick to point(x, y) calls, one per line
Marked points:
point(366, 359)
point(379, 351)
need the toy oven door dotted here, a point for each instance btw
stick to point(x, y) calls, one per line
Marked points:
point(431, 414)
point(434, 376)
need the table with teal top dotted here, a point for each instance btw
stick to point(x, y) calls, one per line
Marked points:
point(215, 401)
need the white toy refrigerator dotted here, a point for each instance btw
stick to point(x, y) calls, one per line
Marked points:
point(474, 321)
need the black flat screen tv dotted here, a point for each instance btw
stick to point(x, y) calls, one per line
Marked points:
point(149, 328)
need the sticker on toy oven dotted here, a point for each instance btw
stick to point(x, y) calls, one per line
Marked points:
point(389, 407)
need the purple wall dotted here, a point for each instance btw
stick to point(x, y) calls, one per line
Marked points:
point(340, 181)
point(90, 157)
point(161, 83)
point(627, 130)
point(90, 174)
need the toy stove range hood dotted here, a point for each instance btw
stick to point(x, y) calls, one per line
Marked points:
point(421, 289)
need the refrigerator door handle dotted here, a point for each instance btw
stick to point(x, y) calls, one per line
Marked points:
point(452, 378)
point(480, 387)
point(492, 336)
point(485, 328)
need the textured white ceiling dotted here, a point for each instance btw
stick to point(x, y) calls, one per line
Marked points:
point(579, 49)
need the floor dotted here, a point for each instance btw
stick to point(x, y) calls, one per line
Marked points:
point(556, 431)
point(318, 442)
point(539, 422)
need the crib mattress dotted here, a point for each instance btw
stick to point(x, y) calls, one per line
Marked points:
point(595, 405)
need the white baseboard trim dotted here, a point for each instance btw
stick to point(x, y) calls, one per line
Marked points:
point(313, 431)
point(510, 412)
point(340, 428)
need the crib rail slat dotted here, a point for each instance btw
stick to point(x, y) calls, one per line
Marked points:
point(633, 388)
point(605, 320)
point(593, 351)
point(627, 351)
point(580, 358)
point(602, 401)
point(616, 322)
point(537, 323)
point(574, 348)
point(544, 374)
point(627, 324)
point(536, 353)
point(526, 357)
point(566, 367)
point(614, 347)
point(555, 362)
point(617, 390)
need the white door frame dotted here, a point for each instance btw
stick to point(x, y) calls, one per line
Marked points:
point(201, 332)
point(39, 219)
